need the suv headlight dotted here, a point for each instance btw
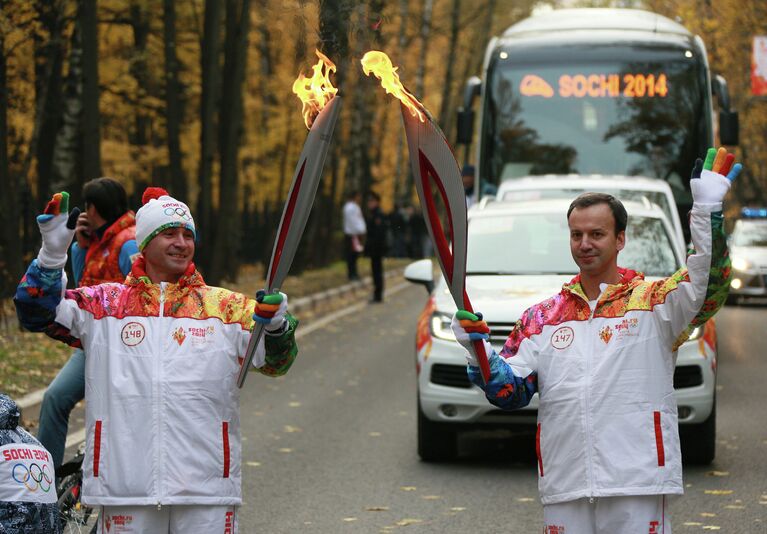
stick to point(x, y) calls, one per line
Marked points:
point(440, 326)
point(696, 333)
point(740, 264)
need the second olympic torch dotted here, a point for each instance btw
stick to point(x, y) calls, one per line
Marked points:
point(434, 166)
point(320, 109)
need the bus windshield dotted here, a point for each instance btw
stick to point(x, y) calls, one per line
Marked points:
point(636, 117)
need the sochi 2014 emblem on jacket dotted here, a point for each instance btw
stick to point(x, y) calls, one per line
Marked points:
point(606, 333)
point(179, 335)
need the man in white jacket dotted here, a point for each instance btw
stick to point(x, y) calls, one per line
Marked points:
point(354, 232)
point(601, 356)
point(163, 351)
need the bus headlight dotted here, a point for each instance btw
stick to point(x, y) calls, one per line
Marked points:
point(440, 326)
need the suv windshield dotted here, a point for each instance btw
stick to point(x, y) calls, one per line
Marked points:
point(539, 243)
point(586, 114)
point(749, 234)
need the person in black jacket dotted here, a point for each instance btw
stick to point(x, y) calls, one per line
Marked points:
point(375, 245)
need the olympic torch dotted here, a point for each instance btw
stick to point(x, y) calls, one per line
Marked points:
point(434, 166)
point(321, 106)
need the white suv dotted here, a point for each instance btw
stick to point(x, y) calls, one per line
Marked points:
point(518, 255)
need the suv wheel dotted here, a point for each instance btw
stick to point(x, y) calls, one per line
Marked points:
point(699, 440)
point(437, 442)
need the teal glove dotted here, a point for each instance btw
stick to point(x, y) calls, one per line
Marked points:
point(57, 227)
point(711, 179)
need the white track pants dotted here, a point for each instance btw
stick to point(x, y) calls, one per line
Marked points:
point(174, 519)
point(643, 514)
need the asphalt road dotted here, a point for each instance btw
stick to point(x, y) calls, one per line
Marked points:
point(331, 447)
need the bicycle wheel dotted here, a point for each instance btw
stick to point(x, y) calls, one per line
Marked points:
point(75, 517)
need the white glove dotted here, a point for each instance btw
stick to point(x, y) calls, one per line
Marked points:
point(711, 180)
point(57, 227)
point(270, 311)
point(478, 330)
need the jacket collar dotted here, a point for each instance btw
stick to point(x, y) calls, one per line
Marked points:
point(138, 276)
point(126, 220)
point(629, 280)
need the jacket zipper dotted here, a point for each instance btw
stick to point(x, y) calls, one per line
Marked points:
point(158, 399)
point(587, 414)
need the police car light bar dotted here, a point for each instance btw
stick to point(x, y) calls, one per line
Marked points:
point(754, 213)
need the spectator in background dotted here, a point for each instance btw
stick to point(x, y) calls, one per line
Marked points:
point(354, 232)
point(103, 251)
point(375, 244)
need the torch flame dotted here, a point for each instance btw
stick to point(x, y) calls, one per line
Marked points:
point(381, 66)
point(317, 91)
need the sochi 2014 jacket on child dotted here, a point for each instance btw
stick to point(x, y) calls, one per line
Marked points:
point(607, 421)
point(162, 416)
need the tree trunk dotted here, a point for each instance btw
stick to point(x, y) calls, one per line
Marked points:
point(421, 72)
point(49, 54)
point(227, 245)
point(10, 244)
point(211, 80)
point(446, 106)
point(174, 113)
point(66, 153)
point(139, 70)
point(91, 140)
point(400, 173)
point(334, 43)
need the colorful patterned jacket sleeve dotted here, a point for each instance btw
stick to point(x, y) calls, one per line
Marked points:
point(37, 298)
point(692, 295)
point(281, 350)
point(513, 375)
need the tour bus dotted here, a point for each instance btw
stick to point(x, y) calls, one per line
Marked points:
point(614, 92)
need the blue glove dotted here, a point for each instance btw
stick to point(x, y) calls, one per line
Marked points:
point(57, 226)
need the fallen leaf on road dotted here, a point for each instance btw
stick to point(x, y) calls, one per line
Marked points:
point(291, 429)
point(692, 524)
point(457, 509)
point(377, 509)
point(711, 527)
point(285, 449)
point(407, 488)
point(707, 514)
point(294, 404)
point(718, 474)
point(718, 492)
point(735, 507)
point(253, 464)
point(408, 521)
point(525, 499)
point(431, 497)
point(350, 519)
point(374, 434)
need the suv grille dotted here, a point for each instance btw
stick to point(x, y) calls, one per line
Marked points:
point(687, 376)
point(454, 376)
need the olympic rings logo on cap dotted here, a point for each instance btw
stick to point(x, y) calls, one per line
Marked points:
point(178, 212)
point(39, 476)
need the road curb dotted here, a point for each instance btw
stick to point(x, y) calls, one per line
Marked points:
point(313, 302)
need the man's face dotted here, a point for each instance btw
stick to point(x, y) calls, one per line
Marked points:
point(170, 251)
point(593, 242)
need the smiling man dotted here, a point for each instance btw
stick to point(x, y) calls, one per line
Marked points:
point(601, 356)
point(163, 351)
